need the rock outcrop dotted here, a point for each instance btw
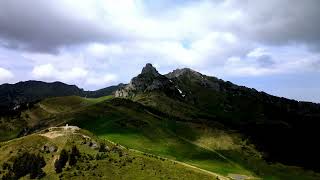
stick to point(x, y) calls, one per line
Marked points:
point(187, 74)
point(149, 80)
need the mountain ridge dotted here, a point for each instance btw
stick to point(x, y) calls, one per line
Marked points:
point(247, 110)
point(18, 95)
point(274, 124)
point(175, 73)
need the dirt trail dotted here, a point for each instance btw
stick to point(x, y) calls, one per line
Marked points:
point(212, 150)
point(52, 135)
point(239, 177)
point(49, 110)
point(221, 177)
point(232, 176)
point(215, 175)
point(55, 132)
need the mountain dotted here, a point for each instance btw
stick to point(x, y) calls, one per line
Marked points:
point(275, 125)
point(185, 117)
point(148, 81)
point(19, 95)
point(23, 92)
point(280, 127)
point(103, 92)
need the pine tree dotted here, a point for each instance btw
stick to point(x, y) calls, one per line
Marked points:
point(102, 147)
point(61, 162)
point(74, 155)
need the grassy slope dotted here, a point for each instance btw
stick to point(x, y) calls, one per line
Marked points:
point(10, 128)
point(43, 114)
point(238, 150)
point(134, 126)
point(69, 103)
point(129, 165)
point(241, 153)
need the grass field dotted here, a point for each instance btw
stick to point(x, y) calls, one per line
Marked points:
point(44, 113)
point(137, 127)
point(144, 132)
point(117, 163)
point(219, 151)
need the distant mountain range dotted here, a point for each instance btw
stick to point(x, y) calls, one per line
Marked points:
point(183, 105)
point(15, 96)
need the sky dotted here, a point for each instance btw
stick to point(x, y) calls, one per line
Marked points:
point(270, 45)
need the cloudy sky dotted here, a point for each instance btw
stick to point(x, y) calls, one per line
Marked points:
point(270, 45)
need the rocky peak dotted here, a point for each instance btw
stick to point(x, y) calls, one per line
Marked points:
point(150, 70)
point(185, 71)
point(149, 80)
point(187, 74)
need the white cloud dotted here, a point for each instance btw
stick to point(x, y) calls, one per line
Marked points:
point(49, 72)
point(235, 66)
point(65, 59)
point(99, 50)
point(104, 42)
point(44, 71)
point(5, 74)
point(98, 81)
point(196, 34)
point(74, 73)
point(257, 52)
point(264, 61)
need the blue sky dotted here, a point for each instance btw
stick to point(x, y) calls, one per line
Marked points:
point(272, 45)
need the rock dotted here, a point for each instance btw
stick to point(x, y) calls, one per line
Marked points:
point(149, 69)
point(53, 149)
point(94, 145)
point(180, 72)
point(49, 148)
point(194, 76)
point(148, 80)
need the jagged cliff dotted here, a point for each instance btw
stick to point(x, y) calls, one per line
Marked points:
point(148, 80)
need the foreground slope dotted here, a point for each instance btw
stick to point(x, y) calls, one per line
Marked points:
point(216, 149)
point(130, 124)
point(92, 162)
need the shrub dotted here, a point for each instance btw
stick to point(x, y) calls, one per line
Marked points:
point(102, 147)
point(75, 153)
point(6, 166)
point(120, 153)
point(8, 176)
point(27, 164)
point(61, 162)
